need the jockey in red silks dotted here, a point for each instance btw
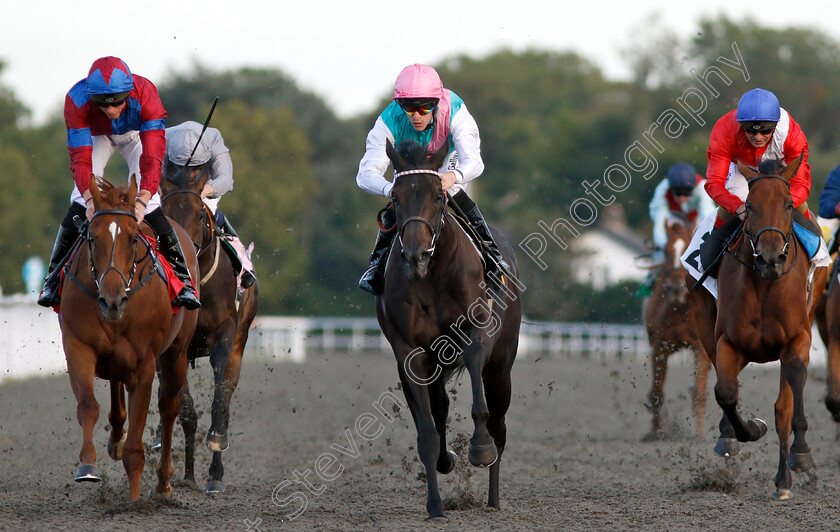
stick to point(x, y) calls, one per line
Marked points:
point(758, 130)
point(429, 114)
point(113, 108)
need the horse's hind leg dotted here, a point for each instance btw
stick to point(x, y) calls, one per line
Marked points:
point(702, 365)
point(80, 369)
point(439, 402)
point(117, 420)
point(173, 371)
point(832, 398)
point(659, 369)
point(497, 390)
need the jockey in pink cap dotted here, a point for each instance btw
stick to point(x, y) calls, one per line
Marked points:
point(115, 109)
point(429, 114)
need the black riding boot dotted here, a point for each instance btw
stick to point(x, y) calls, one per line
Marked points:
point(170, 247)
point(476, 220)
point(248, 276)
point(64, 240)
point(373, 280)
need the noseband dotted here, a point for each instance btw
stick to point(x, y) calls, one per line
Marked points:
point(434, 230)
point(753, 238)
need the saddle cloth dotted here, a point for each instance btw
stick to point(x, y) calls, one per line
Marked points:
point(691, 258)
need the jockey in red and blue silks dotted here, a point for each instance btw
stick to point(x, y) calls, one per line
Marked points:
point(112, 108)
point(427, 113)
point(758, 130)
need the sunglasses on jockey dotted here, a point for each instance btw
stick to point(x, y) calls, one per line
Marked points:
point(412, 107)
point(758, 127)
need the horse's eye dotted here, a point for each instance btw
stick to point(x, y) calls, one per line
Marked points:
point(748, 206)
point(440, 197)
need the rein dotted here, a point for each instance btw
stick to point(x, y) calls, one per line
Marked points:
point(434, 230)
point(207, 227)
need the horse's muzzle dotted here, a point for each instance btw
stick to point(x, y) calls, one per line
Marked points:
point(415, 264)
point(112, 308)
point(771, 268)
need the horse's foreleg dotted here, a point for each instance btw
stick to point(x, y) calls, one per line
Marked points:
point(702, 365)
point(189, 424)
point(729, 366)
point(173, 371)
point(416, 375)
point(139, 387)
point(482, 448)
point(795, 371)
point(81, 363)
point(117, 420)
point(784, 414)
point(659, 368)
point(217, 437)
point(439, 402)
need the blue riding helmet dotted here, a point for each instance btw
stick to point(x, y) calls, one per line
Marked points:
point(109, 75)
point(758, 105)
point(682, 176)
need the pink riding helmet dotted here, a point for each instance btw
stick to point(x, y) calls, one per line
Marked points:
point(418, 81)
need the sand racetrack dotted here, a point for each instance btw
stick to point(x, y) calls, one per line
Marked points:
point(574, 459)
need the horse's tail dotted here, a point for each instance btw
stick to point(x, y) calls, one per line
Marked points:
point(454, 371)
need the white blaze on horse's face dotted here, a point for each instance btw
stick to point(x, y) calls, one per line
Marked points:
point(679, 249)
point(113, 228)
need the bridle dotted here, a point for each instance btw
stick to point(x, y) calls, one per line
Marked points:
point(753, 238)
point(199, 246)
point(434, 230)
point(127, 281)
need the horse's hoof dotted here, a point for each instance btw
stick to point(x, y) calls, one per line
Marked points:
point(87, 473)
point(217, 442)
point(654, 435)
point(727, 447)
point(166, 494)
point(782, 495)
point(450, 465)
point(483, 455)
point(214, 486)
point(438, 519)
point(156, 444)
point(800, 461)
point(115, 450)
point(757, 426)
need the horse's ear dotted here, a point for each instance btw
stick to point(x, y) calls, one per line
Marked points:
point(95, 193)
point(439, 156)
point(746, 171)
point(397, 160)
point(791, 169)
point(132, 190)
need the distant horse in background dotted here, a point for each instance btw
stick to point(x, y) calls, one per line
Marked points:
point(116, 318)
point(765, 313)
point(440, 314)
point(669, 322)
point(224, 319)
point(828, 324)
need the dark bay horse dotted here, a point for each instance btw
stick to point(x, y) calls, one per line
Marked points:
point(116, 320)
point(828, 323)
point(224, 319)
point(439, 316)
point(765, 313)
point(669, 322)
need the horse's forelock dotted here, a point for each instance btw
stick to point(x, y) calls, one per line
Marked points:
point(413, 152)
point(770, 167)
